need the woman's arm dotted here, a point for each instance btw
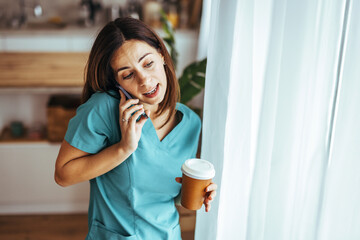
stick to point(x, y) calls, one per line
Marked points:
point(74, 166)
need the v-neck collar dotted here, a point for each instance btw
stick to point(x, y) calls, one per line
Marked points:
point(150, 130)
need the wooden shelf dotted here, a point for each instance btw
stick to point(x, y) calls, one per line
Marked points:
point(7, 138)
point(22, 141)
point(40, 90)
point(27, 142)
point(42, 69)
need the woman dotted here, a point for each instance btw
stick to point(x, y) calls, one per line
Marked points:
point(130, 158)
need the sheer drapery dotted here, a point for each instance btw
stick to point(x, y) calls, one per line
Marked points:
point(281, 120)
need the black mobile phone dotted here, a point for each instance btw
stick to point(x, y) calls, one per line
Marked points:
point(128, 96)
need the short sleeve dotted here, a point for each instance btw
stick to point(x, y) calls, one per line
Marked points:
point(89, 130)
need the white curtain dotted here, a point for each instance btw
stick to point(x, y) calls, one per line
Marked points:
point(282, 120)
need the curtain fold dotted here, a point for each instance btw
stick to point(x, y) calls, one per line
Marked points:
point(271, 86)
point(340, 212)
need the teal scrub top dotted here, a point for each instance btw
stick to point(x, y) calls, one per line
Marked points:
point(135, 200)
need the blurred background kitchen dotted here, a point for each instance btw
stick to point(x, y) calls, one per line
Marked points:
point(43, 49)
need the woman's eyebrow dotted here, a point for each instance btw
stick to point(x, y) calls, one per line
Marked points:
point(141, 58)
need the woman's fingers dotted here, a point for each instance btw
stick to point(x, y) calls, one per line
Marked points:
point(207, 207)
point(210, 192)
point(209, 198)
point(128, 104)
point(211, 187)
point(129, 113)
point(178, 179)
point(210, 195)
point(136, 115)
point(143, 119)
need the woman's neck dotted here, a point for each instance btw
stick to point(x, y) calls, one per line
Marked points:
point(163, 125)
point(160, 120)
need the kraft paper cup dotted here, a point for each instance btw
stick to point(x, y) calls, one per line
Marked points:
point(197, 175)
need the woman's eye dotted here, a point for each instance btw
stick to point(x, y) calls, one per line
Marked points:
point(128, 76)
point(149, 64)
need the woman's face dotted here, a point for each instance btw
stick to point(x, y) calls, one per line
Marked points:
point(139, 69)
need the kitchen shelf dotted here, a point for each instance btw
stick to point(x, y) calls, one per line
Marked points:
point(23, 141)
point(7, 145)
point(7, 138)
point(9, 141)
point(40, 90)
point(44, 69)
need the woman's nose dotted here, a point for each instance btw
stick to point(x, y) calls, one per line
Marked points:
point(143, 77)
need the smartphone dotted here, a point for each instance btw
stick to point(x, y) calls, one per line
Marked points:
point(128, 96)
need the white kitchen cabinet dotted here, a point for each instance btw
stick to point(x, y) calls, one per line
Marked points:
point(27, 181)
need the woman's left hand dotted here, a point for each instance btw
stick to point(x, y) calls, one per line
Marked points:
point(209, 196)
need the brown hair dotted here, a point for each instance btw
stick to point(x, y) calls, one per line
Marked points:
point(99, 76)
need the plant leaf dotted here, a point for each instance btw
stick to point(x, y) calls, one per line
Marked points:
point(192, 81)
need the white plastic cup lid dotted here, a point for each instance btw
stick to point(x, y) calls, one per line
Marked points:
point(198, 169)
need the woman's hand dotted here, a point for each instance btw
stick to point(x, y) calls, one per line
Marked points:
point(209, 196)
point(129, 111)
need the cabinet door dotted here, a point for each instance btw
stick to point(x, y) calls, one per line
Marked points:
point(27, 181)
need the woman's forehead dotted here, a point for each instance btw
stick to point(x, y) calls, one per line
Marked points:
point(134, 49)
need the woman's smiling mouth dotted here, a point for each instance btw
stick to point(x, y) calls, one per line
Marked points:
point(153, 93)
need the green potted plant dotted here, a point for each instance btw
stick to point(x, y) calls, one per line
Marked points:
point(192, 79)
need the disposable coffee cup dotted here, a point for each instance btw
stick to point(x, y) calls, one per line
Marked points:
point(197, 175)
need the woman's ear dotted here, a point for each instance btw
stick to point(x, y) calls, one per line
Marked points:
point(162, 56)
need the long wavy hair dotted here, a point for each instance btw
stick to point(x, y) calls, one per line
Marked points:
point(99, 76)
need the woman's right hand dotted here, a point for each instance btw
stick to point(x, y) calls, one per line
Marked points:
point(129, 111)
